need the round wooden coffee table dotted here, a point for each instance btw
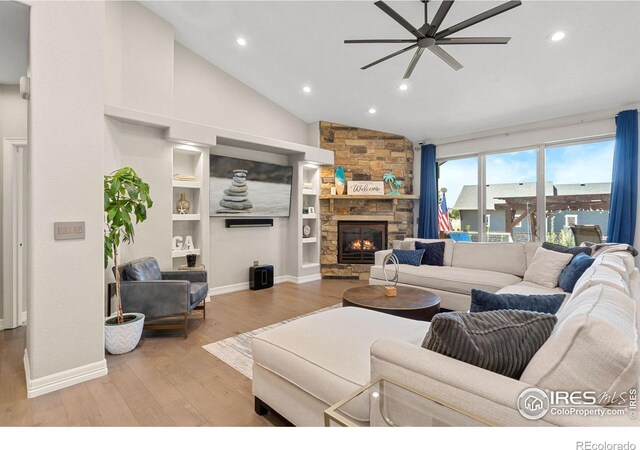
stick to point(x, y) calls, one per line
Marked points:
point(411, 303)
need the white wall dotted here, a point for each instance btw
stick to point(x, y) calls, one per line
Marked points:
point(13, 124)
point(139, 59)
point(66, 163)
point(145, 150)
point(205, 94)
point(233, 250)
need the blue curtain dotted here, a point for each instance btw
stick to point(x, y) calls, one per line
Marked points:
point(624, 184)
point(428, 211)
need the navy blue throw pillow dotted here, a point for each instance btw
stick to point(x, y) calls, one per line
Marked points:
point(486, 301)
point(574, 270)
point(412, 257)
point(433, 253)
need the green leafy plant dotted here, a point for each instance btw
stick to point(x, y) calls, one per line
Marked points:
point(126, 198)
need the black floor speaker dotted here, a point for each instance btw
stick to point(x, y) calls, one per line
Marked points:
point(260, 277)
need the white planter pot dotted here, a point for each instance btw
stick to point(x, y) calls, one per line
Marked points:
point(122, 338)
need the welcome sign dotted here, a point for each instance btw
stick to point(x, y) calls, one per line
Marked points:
point(365, 188)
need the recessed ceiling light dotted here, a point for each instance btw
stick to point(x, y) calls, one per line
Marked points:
point(306, 90)
point(403, 87)
point(372, 110)
point(241, 42)
point(557, 36)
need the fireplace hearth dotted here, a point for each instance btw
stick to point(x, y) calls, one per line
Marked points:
point(358, 241)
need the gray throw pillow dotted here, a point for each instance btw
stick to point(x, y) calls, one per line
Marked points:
point(563, 249)
point(500, 341)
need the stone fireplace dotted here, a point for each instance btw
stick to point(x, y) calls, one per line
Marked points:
point(365, 155)
point(358, 241)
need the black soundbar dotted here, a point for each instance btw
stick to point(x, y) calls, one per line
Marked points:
point(246, 223)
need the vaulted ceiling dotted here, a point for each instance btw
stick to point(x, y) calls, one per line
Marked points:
point(292, 44)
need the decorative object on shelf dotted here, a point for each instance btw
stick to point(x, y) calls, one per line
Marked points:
point(125, 194)
point(178, 177)
point(305, 210)
point(306, 231)
point(191, 260)
point(390, 289)
point(365, 188)
point(333, 191)
point(341, 181)
point(393, 182)
point(177, 243)
point(311, 210)
point(188, 243)
point(182, 205)
point(307, 185)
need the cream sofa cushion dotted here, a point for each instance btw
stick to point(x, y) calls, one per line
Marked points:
point(613, 262)
point(327, 354)
point(546, 267)
point(594, 346)
point(599, 274)
point(452, 279)
point(528, 288)
point(495, 257)
point(530, 249)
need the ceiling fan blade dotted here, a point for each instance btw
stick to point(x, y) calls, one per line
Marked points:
point(473, 40)
point(378, 41)
point(477, 19)
point(412, 64)
point(406, 49)
point(439, 17)
point(398, 18)
point(446, 57)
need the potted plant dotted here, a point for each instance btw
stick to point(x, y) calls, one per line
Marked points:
point(126, 197)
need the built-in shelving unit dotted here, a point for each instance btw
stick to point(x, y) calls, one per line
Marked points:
point(310, 180)
point(188, 172)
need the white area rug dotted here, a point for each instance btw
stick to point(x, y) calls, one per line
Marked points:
point(236, 350)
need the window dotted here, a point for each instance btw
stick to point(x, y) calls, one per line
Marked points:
point(523, 202)
point(511, 196)
point(459, 178)
point(578, 189)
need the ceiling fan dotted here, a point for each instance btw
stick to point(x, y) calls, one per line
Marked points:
point(429, 37)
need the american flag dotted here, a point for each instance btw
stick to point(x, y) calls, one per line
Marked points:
point(443, 215)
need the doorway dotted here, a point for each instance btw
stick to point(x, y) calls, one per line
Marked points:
point(14, 232)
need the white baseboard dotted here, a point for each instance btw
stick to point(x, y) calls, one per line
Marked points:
point(66, 378)
point(23, 322)
point(281, 279)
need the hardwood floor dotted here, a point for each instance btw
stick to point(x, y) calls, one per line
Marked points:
point(167, 380)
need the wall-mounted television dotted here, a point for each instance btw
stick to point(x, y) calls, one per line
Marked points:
point(243, 188)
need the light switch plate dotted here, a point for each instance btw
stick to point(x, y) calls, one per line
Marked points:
point(68, 230)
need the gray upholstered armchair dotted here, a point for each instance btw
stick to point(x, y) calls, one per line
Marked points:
point(146, 289)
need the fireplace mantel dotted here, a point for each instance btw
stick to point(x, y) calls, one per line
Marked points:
point(395, 198)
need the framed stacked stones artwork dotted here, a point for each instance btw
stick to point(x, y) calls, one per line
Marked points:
point(244, 188)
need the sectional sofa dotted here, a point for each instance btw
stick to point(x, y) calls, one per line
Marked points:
point(491, 267)
point(303, 367)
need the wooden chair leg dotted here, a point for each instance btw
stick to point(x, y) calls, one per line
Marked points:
point(204, 308)
point(186, 325)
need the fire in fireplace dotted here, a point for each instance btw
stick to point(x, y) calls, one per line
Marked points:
point(358, 241)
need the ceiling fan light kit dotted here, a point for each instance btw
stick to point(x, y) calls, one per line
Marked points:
point(430, 37)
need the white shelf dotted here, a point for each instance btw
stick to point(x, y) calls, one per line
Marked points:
point(309, 216)
point(309, 192)
point(187, 184)
point(181, 253)
point(310, 265)
point(182, 217)
point(309, 240)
